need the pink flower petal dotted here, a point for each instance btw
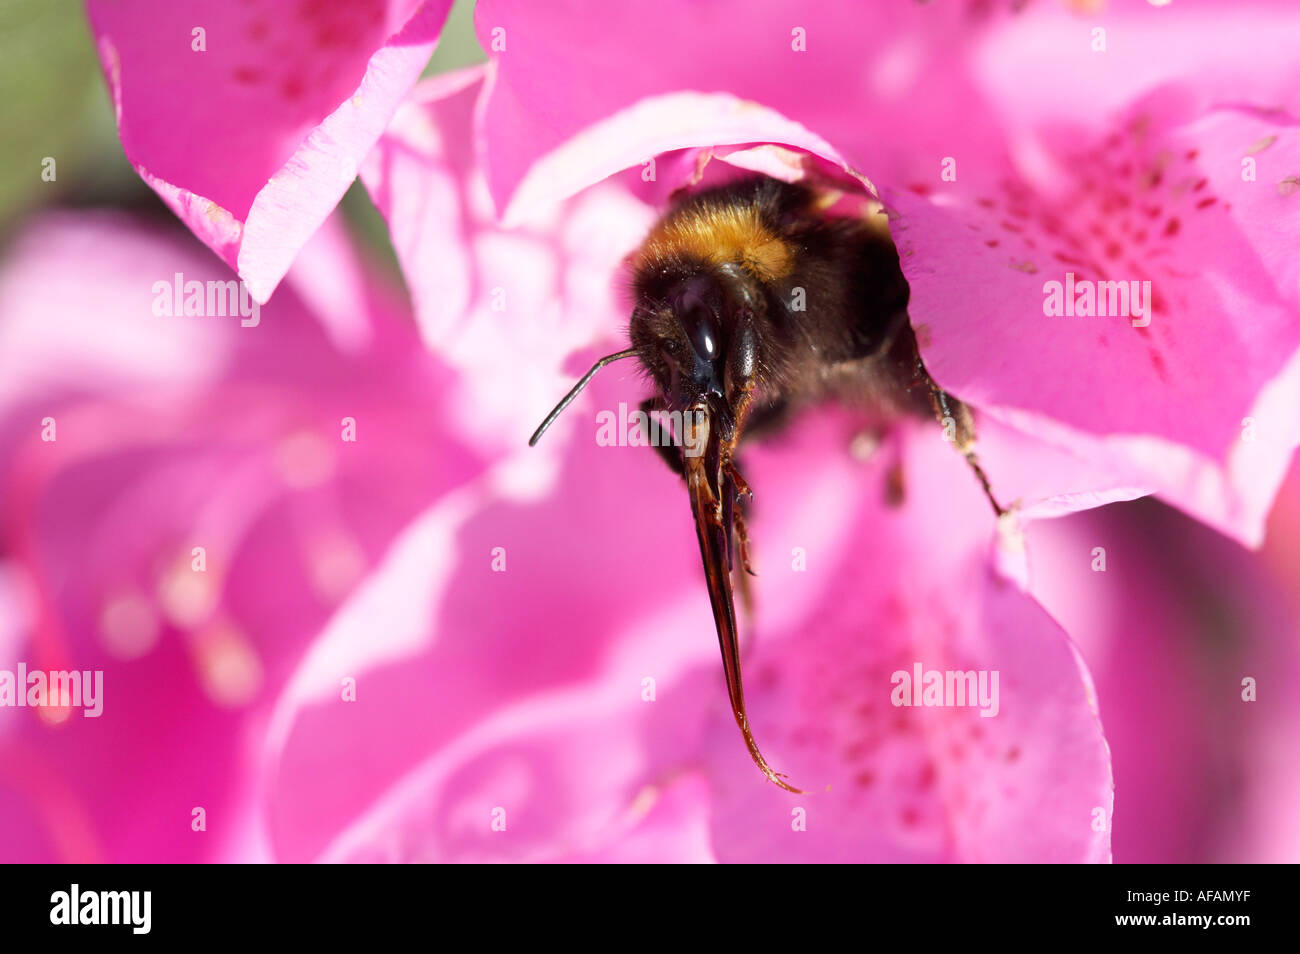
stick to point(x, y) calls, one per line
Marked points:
point(119, 263)
point(1041, 68)
point(509, 305)
point(173, 432)
point(537, 781)
point(253, 139)
point(650, 128)
point(910, 585)
point(1160, 401)
point(1172, 618)
point(566, 67)
point(443, 648)
point(895, 87)
point(478, 714)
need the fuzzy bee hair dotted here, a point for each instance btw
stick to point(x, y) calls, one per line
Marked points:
point(822, 290)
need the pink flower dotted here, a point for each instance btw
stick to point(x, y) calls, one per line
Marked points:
point(1116, 184)
point(250, 119)
point(520, 697)
point(169, 434)
point(1134, 143)
point(1190, 639)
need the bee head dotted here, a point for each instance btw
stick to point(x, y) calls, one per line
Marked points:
point(694, 332)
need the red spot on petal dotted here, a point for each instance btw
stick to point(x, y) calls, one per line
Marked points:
point(1158, 363)
point(291, 88)
point(330, 35)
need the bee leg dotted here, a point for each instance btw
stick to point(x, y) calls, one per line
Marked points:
point(742, 580)
point(667, 449)
point(740, 535)
point(959, 427)
point(762, 420)
point(742, 541)
point(741, 495)
point(895, 485)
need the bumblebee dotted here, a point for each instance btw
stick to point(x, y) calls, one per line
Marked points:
point(752, 303)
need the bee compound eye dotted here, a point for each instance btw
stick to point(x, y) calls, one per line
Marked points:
point(699, 328)
point(696, 318)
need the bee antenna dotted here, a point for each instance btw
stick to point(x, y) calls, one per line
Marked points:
point(582, 383)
